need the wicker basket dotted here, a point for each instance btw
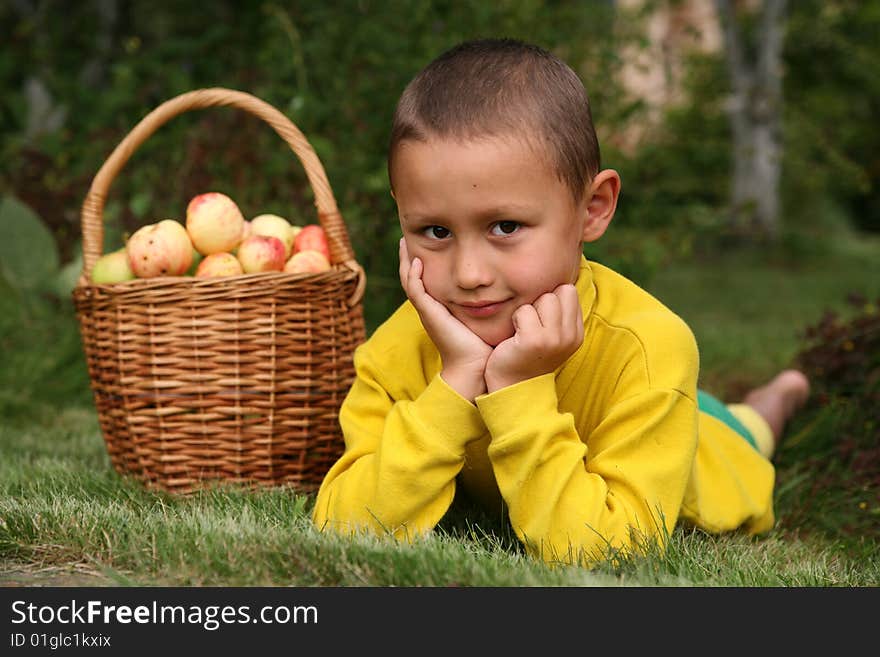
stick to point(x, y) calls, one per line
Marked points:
point(237, 379)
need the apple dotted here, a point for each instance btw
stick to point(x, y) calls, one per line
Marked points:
point(259, 253)
point(311, 238)
point(197, 259)
point(214, 223)
point(274, 226)
point(307, 261)
point(112, 268)
point(245, 232)
point(219, 264)
point(159, 249)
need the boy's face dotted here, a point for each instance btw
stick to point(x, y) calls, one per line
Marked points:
point(492, 223)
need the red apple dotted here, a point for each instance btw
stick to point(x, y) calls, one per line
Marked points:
point(274, 226)
point(219, 264)
point(307, 261)
point(258, 253)
point(312, 238)
point(214, 223)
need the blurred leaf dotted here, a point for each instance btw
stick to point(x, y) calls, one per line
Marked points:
point(28, 254)
point(65, 279)
point(140, 204)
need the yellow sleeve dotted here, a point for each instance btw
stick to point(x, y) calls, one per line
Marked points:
point(571, 499)
point(397, 474)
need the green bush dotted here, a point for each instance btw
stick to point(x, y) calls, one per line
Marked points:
point(835, 443)
point(336, 71)
point(43, 362)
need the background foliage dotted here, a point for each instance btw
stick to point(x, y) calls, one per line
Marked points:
point(336, 70)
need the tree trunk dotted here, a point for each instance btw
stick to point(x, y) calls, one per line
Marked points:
point(755, 111)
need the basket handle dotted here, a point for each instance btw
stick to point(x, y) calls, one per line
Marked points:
point(328, 214)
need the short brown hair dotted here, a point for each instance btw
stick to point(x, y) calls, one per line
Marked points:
point(505, 87)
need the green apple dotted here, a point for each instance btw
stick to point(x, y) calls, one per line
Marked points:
point(112, 268)
point(197, 258)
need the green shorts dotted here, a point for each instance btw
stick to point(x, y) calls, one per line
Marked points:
point(719, 410)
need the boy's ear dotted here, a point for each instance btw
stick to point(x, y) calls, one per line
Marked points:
point(602, 203)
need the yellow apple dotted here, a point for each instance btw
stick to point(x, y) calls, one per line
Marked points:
point(219, 264)
point(271, 225)
point(159, 249)
point(214, 223)
point(307, 261)
point(259, 253)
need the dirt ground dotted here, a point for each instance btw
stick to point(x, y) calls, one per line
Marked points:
point(72, 576)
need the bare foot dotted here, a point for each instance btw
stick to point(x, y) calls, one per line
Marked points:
point(779, 399)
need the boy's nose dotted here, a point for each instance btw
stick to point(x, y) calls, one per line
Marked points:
point(472, 269)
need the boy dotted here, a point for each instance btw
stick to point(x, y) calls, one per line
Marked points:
point(518, 371)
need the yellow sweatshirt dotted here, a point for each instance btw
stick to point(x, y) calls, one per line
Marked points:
point(610, 442)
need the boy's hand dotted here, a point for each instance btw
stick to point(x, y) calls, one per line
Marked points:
point(462, 353)
point(547, 333)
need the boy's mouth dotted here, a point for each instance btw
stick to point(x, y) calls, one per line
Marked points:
point(481, 308)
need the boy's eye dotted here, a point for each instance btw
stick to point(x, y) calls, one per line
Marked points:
point(505, 227)
point(436, 232)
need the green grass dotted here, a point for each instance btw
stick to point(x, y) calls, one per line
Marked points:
point(66, 518)
point(749, 309)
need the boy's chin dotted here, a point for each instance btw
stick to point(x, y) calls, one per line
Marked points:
point(493, 337)
point(493, 331)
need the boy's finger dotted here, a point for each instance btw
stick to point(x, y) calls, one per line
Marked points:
point(411, 274)
point(526, 320)
point(424, 303)
point(414, 284)
point(570, 308)
point(403, 267)
point(415, 270)
point(429, 309)
point(568, 300)
point(549, 310)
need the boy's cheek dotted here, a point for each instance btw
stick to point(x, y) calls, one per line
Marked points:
point(436, 285)
point(413, 249)
point(430, 281)
point(427, 265)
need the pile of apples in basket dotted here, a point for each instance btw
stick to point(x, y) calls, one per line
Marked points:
point(216, 241)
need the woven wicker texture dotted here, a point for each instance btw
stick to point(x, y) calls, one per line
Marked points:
point(236, 379)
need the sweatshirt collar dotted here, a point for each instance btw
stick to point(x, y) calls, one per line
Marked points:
point(585, 287)
point(586, 291)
